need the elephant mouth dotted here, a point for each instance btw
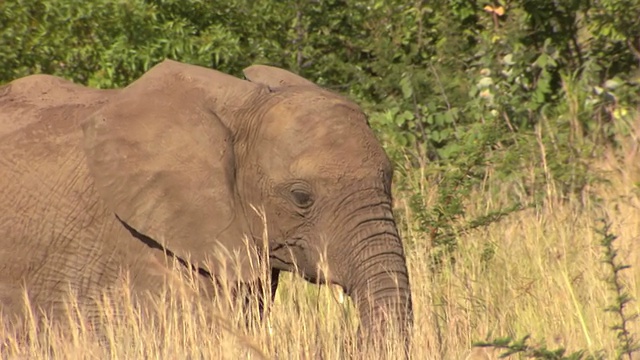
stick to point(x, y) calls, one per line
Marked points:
point(283, 251)
point(295, 254)
point(156, 245)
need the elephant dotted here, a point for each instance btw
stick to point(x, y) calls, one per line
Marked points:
point(192, 164)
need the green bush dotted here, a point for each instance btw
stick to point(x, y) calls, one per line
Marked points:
point(453, 86)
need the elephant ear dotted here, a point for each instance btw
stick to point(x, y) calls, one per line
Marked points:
point(274, 77)
point(162, 159)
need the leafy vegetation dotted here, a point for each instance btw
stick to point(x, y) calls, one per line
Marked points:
point(500, 116)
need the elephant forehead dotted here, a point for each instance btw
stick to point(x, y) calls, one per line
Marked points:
point(335, 156)
point(347, 155)
point(315, 134)
point(312, 113)
point(316, 145)
point(307, 126)
point(339, 166)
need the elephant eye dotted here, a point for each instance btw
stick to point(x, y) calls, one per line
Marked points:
point(302, 198)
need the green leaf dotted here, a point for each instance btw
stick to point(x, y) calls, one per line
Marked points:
point(407, 88)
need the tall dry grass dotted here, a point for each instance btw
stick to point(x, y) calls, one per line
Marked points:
point(537, 272)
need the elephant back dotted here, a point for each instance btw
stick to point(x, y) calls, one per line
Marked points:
point(44, 100)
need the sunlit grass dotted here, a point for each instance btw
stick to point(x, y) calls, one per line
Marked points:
point(543, 276)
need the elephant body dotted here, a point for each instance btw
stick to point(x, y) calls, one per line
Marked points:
point(56, 234)
point(188, 163)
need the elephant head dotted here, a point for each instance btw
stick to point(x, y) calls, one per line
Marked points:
point(185, 153)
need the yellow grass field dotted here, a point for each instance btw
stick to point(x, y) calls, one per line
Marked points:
point(546, 278)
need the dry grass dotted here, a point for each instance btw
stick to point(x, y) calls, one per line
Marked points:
point(545, 278)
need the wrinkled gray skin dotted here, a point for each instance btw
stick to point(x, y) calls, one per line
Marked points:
point(100, 183)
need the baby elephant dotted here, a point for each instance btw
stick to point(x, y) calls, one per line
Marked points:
point(190, 164)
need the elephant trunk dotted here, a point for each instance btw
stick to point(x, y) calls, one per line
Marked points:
point(378, 280)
